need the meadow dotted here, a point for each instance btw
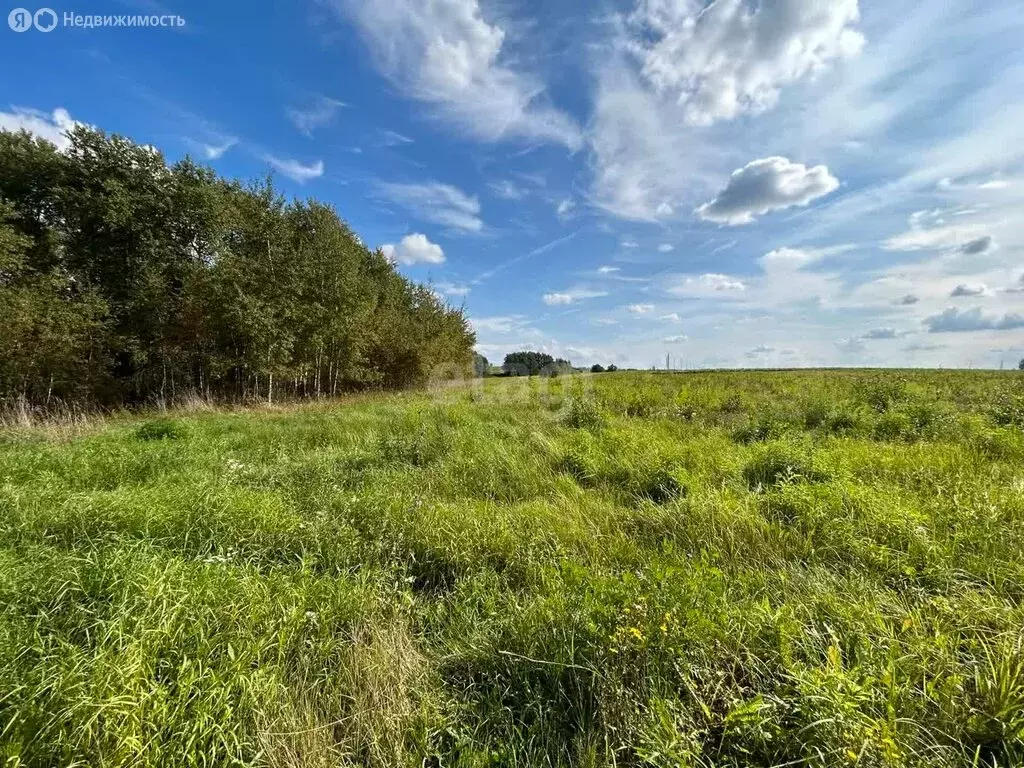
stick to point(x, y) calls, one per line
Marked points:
point(817, 568)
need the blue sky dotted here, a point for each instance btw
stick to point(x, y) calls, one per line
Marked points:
point(734, 183)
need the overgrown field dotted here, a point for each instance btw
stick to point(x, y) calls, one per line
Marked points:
point(707, 569)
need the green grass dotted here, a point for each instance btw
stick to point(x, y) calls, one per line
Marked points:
point(711, 569)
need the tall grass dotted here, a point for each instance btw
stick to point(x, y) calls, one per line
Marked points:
point(722, 569)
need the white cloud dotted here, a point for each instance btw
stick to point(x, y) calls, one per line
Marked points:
point(507, 190)
point(440, 203)
point(675, 339)
point(565, 208)
point(710, 285)
point(394, 139)
point(930, 230)
point(965, 290)
point(453, 289)
point(319, 113)
point(414, 249)
point(446, 54)
point(640, 309)
point(954, 320)
point(724, 58)
point(52, 127)
point(503, 325)
point(606, 270)
point(216, 151)
point(556, 299)
point(628, 244)
point(295, 170)
point(766, 185)
point(572, 295)
point(672, 317)
point(788, 259)
point(666, 248)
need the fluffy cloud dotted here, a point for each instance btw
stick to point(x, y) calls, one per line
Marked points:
point(908, 300)
point(445, 54)
point(52, 127)
point(666, 248)
point(319, 113)
point(295, 170)
point(606, 270)
point(439, 203)
point(766, 185)
point(724, 58)
point(414, 249)
point(965, 290)
point(674, 339)
point(954, 320)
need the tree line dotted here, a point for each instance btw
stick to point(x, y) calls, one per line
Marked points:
point(124, 279)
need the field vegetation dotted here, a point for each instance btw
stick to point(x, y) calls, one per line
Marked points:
point(816, 568)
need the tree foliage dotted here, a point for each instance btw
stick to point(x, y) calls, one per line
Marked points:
point(1020, 366)
point(481, 366)
point(123, 278)
point(535, 364)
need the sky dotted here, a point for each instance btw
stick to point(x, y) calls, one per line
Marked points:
point(728, 183)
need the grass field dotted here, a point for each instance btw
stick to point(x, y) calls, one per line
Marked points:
point(707, 569)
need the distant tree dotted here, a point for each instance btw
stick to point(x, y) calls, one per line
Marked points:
point(597, 368)
point(481, 367)
point(526, 363)
point(559, 367)
point(612, 368)
point(1020, 366)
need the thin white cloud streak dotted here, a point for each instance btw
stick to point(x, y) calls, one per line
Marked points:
point(296, 170)
point(437, 202)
